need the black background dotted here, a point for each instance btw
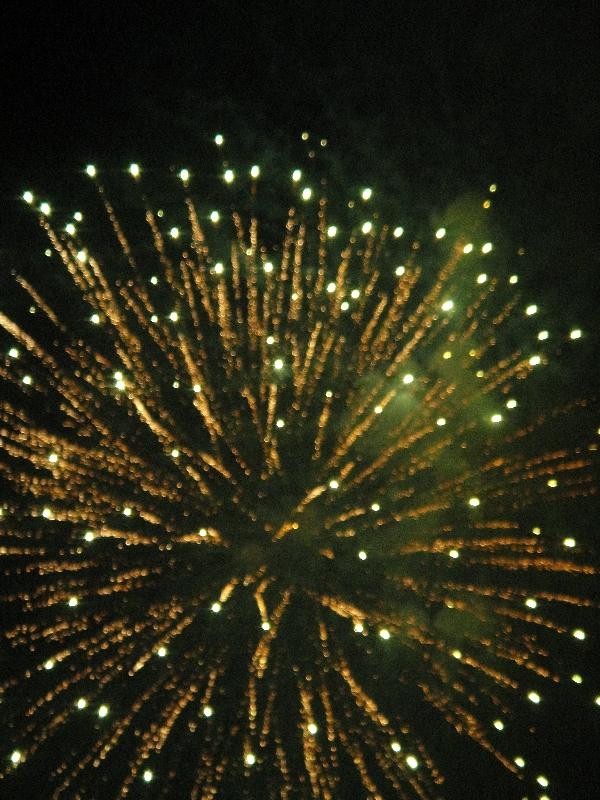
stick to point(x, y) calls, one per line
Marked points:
point(447, 97)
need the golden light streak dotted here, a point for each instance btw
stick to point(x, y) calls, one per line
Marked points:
point(261, 459)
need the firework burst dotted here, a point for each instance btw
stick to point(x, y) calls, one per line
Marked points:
point(272, 507)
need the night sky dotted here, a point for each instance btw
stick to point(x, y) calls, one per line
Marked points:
point(427, 100)
point(452, 98)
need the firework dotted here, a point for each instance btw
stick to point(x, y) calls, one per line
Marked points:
point(273, 505)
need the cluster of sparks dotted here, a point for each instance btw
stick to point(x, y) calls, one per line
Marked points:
point(250, 481)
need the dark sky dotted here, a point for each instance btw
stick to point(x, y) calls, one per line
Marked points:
point(449, 96)
point(453, 95)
